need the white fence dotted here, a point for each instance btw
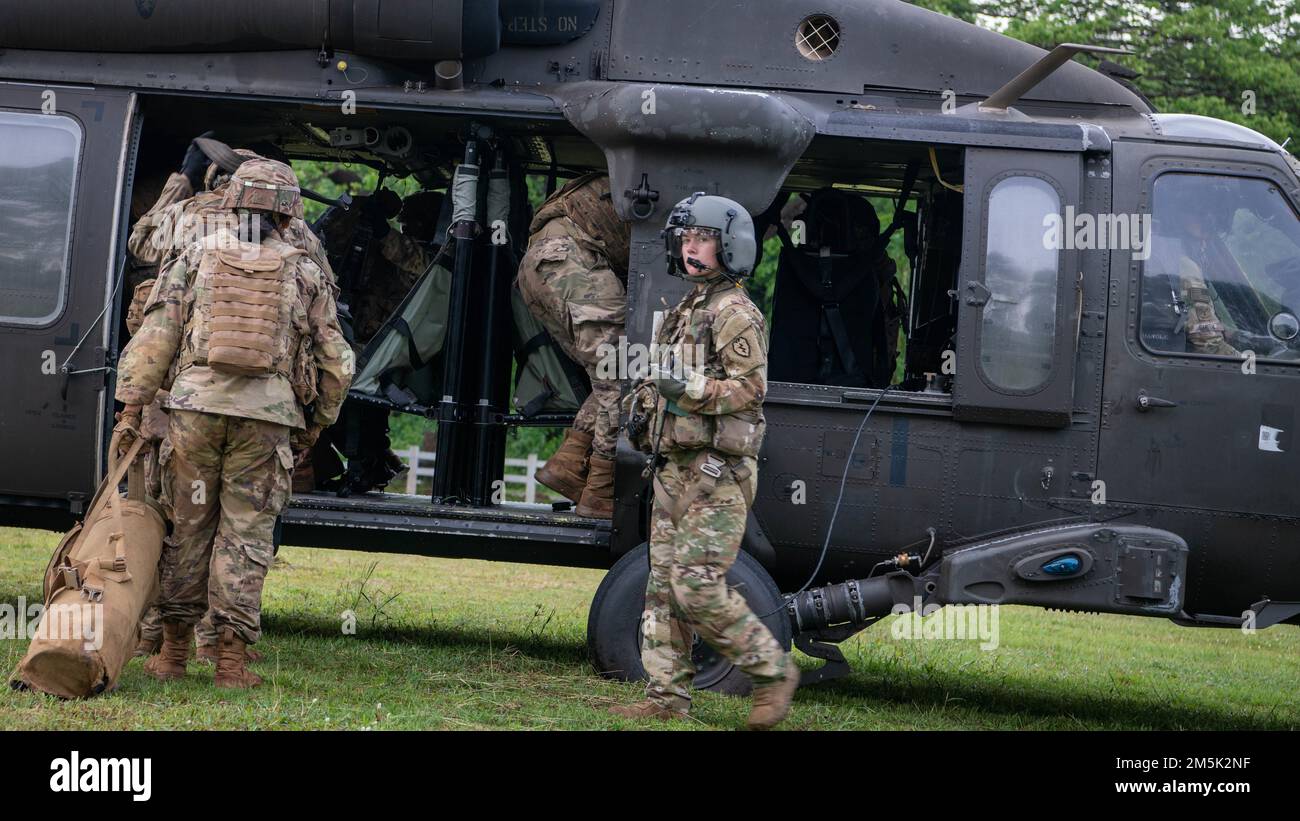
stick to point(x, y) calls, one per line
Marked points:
point(419, 464)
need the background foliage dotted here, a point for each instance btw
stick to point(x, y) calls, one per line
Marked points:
point(1192, 56)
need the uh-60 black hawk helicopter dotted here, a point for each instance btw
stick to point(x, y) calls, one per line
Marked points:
point(1049, 428)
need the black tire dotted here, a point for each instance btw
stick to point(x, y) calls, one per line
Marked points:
point(614, 622)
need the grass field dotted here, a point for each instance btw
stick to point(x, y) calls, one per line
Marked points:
point(442, 644)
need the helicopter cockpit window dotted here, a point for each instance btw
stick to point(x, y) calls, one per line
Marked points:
point(38, 171)
point(1018, 325)
point(1223, 276)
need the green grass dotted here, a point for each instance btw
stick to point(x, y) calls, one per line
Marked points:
point(476, 645)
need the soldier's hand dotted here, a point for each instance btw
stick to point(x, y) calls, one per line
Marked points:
point(195, 164)
point(668, 385)
point(127, 429)
point(130, 417)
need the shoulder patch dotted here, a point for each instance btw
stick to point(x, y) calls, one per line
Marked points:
point(741, 346)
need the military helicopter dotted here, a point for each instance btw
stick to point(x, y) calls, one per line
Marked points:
point(1088, 401)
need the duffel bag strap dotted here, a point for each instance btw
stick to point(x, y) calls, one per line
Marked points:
point(92, 580)
point(117, 468)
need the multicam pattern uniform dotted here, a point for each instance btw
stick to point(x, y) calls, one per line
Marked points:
point(572, 279)
point(697, 522)
point(386, 280)
point(178, 218)
point(227, 463)
point(181, 218)
point(153, 427)
point(157, 223)
point(1205, 331)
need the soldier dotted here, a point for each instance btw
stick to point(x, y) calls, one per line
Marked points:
point(1206, 333)
point(152, 239)
point(706, 411)
point(241, 323)
point(376, 286)
point(573, 280)
point(153, 428)
point(179, 217)
point(405, 255)
point(190, 208)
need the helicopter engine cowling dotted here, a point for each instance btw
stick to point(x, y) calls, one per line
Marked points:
point(403, 30)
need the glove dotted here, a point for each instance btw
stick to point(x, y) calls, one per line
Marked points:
point(195, 164)
point(127, 429)
point(668, 386)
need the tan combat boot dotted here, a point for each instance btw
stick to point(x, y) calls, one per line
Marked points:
point(566, 471)
point(169, 664)
point(208, 654)
point(232, 662)
point(647, 709)
point(772, 701)
point(147, 647)
point(598, 497)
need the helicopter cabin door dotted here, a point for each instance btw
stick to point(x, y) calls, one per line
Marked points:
point(1018, 289)
point(61, 191)
point(1202, 375)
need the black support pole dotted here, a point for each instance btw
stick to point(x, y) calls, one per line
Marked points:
point(449, 472)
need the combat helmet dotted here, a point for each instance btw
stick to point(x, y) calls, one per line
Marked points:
point(727, 219)
point(217, 176)
point(267, 185)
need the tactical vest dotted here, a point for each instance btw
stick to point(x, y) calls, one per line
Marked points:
point(242, 322)
point(737, 434)
point(586, 201)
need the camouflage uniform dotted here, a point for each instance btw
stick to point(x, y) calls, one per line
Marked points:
point(153, 427)
point(145, 256)
point(698, 520)
point(385, 282)
point(227, 462)
point(145, 259)
point(178, 218)
point(572, 280)
point(1205, 331)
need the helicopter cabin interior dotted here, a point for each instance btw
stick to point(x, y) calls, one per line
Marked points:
point(857, 274)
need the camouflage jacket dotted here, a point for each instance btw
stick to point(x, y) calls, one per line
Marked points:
point(141, 243)
point(411, 256)
point(386, 279)
point(180, 218)
point(171, 327)
point(719, 335)
point(1205, 331)
point(585, 202)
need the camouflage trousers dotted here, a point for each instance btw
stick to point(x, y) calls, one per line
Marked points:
point(151, 627)
point(154, 428)
point(225, 480)
point(155, 431)
point(571, 290)
point(687, 591)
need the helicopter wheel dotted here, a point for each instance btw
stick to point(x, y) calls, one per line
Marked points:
point(614, 622)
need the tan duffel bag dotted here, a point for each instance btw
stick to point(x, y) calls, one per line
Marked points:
point(99, 582)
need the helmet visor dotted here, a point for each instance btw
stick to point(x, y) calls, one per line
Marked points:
point(688, 236)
